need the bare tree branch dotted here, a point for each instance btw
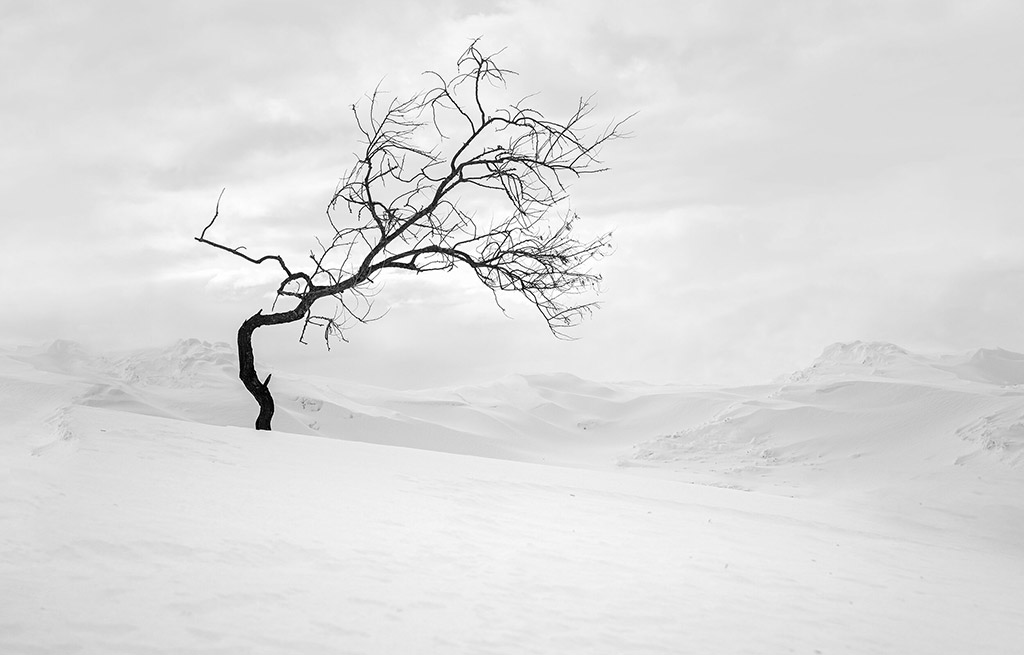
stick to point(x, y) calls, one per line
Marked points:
point(430, 169)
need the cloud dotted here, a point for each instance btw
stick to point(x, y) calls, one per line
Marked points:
point(800, 173)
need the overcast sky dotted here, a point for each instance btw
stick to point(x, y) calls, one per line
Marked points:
point(800, 173)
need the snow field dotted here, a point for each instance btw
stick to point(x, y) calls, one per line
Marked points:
point(139, 522)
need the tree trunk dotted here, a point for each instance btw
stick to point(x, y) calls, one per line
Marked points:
point(247, 371)
point(260, 390)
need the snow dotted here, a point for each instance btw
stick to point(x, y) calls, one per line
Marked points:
point(870, 503)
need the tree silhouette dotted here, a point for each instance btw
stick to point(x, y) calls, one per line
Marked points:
point(429, 168)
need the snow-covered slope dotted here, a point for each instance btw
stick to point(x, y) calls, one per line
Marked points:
point(871, 503)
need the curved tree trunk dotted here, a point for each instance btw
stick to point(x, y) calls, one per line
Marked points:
point(247, 371)
point(260, 390)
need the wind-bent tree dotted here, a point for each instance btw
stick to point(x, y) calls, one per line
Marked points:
point(431, 169)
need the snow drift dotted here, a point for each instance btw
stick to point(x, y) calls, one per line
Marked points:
point(869, 503)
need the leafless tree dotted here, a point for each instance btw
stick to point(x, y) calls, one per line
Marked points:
point(430, 168)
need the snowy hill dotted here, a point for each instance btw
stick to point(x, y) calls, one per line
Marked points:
point(869, 503)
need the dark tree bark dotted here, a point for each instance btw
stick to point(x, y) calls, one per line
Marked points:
point(407, 209)
point(260, 390)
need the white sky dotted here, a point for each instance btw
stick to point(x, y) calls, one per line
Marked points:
point(801, 173)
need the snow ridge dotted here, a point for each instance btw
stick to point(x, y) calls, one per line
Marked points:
point(885, 360)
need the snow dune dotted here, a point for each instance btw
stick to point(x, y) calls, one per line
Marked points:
point(870, 503)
